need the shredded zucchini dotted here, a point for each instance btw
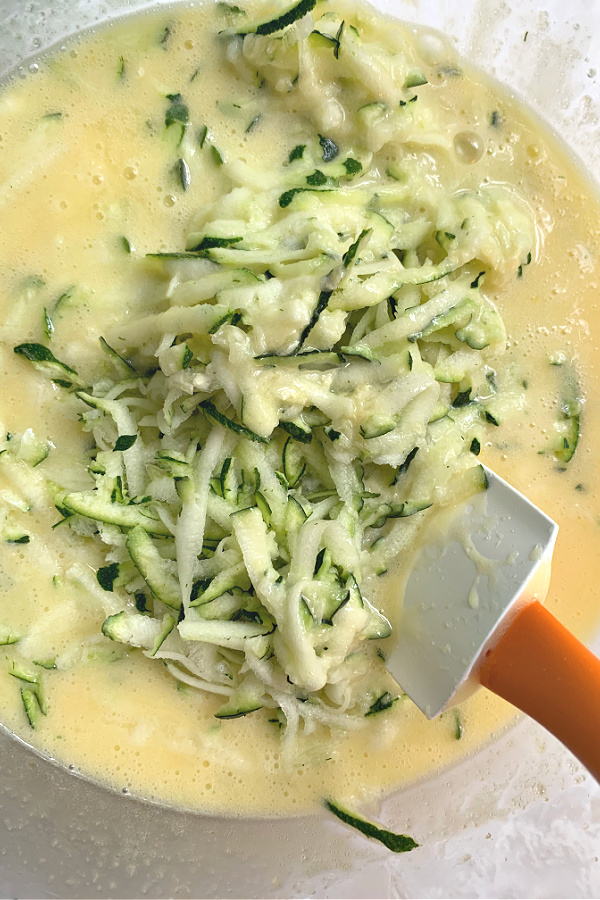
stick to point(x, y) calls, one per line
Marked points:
point(397, 843)
point(310, 391)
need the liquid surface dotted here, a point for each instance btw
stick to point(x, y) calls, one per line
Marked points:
point(71, 186)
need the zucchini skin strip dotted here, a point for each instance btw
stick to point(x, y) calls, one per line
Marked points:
point(397, 843)
point(288, 18)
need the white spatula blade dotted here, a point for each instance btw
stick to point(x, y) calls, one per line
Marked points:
point(450, 611)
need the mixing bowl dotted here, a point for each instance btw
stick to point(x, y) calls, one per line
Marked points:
point(520, 818)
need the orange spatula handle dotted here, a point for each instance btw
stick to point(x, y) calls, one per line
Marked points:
point(540, 667)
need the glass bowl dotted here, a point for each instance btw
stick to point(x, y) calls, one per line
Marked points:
point(520, 817)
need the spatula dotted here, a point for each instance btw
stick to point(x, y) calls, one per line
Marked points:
point(461, 628)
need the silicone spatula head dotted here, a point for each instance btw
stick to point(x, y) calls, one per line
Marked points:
point(464, 589)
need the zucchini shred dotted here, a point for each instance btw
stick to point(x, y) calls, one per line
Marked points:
point(311, 392)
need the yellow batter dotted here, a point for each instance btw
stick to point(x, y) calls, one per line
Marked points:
point(83, 163)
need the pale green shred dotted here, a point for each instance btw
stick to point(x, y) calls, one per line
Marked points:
point(309, 395)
